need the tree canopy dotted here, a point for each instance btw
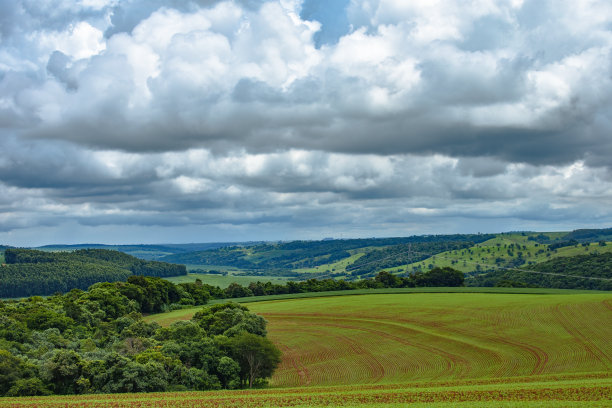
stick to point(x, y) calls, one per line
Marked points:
point(30, 272)
point(96, 341)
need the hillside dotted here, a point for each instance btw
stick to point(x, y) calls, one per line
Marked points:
point(281, 258)
point(356, 259)
point(592, 271)
point(508, 251)
point(29, 272)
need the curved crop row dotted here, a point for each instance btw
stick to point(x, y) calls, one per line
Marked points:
point(395, 338)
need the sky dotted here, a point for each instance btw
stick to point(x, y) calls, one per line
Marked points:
point(171, 121)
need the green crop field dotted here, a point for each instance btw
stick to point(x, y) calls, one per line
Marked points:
point(407, 337)
point(541, 348)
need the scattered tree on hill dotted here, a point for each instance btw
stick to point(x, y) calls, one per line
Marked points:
point(592, 271)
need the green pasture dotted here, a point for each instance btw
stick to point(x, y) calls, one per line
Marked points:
point(495, 253)
point(224, 281)
point(222, 268)
point(338, 267)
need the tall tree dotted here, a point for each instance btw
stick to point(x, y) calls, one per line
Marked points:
point(257, 356)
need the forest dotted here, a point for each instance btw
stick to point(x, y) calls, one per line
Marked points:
point(28, 272)
point(96, 341)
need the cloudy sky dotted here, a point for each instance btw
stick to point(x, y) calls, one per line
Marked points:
point(150, 121)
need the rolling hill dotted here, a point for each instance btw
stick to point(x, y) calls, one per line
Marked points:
point(28, 272)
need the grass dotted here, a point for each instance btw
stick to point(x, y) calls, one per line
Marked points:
point(223, 268)
point(224, 281)
point(333, 268)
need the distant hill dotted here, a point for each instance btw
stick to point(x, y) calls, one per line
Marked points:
point(352, 259)
point(145, 251)
point(28, 272)
point(293, 255)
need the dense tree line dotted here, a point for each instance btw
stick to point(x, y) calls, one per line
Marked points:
point(96, 341)
point(143, 251)
point(562, 244)
point(590, 235)
point(435, 277)
point(563, 273)
point(30, 272)
point(21, 280)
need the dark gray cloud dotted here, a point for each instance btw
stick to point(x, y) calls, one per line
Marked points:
point(382, 117)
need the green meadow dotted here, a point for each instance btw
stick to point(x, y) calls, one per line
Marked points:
point(223, 281)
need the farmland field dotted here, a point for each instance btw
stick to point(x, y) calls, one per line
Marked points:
point(392, 338)
point(408, 337)
point(418, 349)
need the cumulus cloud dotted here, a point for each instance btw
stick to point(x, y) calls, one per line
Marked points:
point(371, 116)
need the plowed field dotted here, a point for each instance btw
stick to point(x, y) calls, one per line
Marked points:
point(408, 337)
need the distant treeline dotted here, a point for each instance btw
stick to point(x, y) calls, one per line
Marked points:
point(30, 272)
point(577, 272)
point(437, 277)
point(578, 236)
point(307, 254)
point(589, 235)
point(147, 252)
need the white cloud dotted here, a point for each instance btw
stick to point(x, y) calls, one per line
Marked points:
point(80, 40)
point(493, 109)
